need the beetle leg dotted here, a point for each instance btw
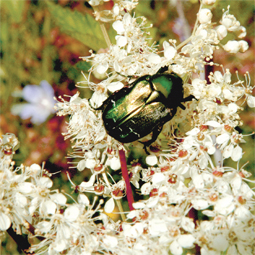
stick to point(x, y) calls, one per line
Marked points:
point(189, 98)
point(155, 135)
point(182, 106)
point(186, 99)
point(162, 69)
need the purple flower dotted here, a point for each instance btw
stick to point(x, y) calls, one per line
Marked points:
point(40, 103)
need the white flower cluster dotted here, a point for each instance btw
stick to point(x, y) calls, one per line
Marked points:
point(182, 177)
point(118, 10)
point(179, 177)
point(27, 204)
point(24, 190)
point(160, 224)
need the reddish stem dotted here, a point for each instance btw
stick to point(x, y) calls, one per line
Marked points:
point(193, 215)
point(124, 171)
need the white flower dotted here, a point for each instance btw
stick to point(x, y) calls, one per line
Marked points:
point(221, 31)
point(102, 68)
point(242, 32)
point(230, 22)
point(58, 198)
point(219, 242)
point(118, 26)
point(158, 178)
point(114, 163)
point(121, 40)
point(72, 213)
point(232, 46)
point(199, 204)
point(204, 16)
point(90, 183)
point(182, 241)
point(151, 160)
point(46, 207)
point(183, 174)
point(83, 199)
point(90, 163)
point(110, 241)
point(81, 165)
point(41, 103)
point(243, 46)
point(228, 151)
point(97, 99)
point(198, 86)
point(225, 205)
point(251, 101)
point(154, 58)
point(5, 221)
point(114, 86)
point(236, 153)
point(187, 224)
point(157, 226)
point(169, 51)
point(232, 108)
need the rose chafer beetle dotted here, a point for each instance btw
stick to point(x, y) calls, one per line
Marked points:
point(143, 106)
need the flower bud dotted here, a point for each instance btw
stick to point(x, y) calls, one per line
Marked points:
point(230, 22)
point(221, 31)
point(151, 160)
point(242, 32)
point(243, 46)
point(204, 16)
point(251, 101)
point(232, 46)
point(169, 51)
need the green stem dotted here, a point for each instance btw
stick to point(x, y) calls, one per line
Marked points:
point(106, 36)
point(103, 29)
point(122, 215)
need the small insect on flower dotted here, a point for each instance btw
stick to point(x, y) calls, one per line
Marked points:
point(143, 107)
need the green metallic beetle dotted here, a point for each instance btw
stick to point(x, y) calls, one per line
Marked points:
point(143, 106)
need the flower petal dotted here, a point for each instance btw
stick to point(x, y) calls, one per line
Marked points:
point(5, 221)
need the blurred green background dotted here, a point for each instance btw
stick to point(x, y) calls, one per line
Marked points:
point(44, 42)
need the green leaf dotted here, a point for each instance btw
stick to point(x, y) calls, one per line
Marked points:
point(16, 8)
point(82, 27)
point(83, 65)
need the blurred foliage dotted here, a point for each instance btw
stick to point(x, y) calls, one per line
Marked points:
point(42, 40)
point(82, 27)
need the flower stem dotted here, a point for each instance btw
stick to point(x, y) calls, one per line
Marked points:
point(122, 215)
point(106, 37)
point(103, 29)
point(124, 171)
